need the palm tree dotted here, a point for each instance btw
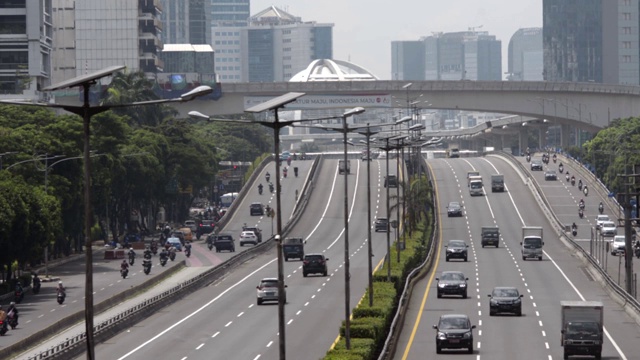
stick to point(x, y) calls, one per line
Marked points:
point(417, 199)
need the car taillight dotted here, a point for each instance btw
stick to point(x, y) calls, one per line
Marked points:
point(305, 262)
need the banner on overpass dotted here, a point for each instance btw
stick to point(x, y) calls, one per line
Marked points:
point(309, 102)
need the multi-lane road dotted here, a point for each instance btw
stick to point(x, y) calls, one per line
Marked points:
point(224, 321)
point(560, 276)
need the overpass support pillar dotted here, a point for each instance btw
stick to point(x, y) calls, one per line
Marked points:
point(564, 136)
point(523, 140)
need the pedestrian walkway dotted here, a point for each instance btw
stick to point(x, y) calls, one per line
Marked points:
point(177, 278)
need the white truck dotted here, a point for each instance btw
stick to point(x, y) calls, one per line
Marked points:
point(475, 188)
point(582, 328)
point(531, 245)
point(497, 183)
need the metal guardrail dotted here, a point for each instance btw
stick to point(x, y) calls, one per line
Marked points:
point(388, 350)
point(626, 298)
point(148, 306)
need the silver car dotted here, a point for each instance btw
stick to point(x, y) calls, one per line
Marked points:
point(267, 290)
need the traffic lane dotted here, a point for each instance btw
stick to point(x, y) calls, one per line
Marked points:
point(40, 311)
point(234, 298)
point(565, 278)
point(417, 337)
point(496, 268)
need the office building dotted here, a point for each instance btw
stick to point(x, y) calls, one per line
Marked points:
point(466, 55)
point(273, 47)
point(525, 55)
point(25, 48)
point(184, 66)
point(407, 60)
point(230, 12)
point(186, 22)
point(591, 41)
point(90, 35)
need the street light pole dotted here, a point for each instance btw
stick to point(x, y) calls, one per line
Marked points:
point(86, 111)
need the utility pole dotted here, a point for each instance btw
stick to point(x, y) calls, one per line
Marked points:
point(625, 199)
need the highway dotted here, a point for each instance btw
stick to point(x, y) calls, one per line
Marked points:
point(223, 318)
point(559, 276)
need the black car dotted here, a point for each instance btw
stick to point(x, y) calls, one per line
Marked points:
point(505, 299)
point(452, 283)
point(314, 264)
point(454, 331)
point(536, 165)
point(550, 175)
point(454, 209)
point(256, 209)
point(205, 227)
point(456, 249)
point(224, 242)
point(382, 224)
point(391, 181)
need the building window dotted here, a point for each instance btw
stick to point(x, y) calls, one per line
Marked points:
point(626, 30)
point(626, 16)
point(626, 44)
point(626, 58)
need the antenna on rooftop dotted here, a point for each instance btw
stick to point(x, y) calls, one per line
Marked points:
point(473, 28)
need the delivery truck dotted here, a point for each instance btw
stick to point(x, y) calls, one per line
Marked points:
point(582, 327)
point(497, 183)
point(531, 245)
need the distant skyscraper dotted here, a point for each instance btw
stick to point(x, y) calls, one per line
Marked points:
point(186, 22)
point(230, 12)
point(525, 55)
point(25, 48)
point(407, 60)
point(94, 34)
point(273, 47)
point(466, 55)
point(591, 40)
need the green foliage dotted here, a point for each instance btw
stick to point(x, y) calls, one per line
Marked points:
point(361, 349)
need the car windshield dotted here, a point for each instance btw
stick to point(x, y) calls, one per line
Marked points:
point(532, 243)
point(454, 205)
point(582, 327)
point(505, 293)
point(453, 323)
point(456, 244)
point(476, 185)
point(452, 276)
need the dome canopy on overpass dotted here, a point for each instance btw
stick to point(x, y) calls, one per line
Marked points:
point(333, 70)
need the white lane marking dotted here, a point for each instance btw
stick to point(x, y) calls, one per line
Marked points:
point(216, 334)
point(195, 312)
point(229, 323)
point(257, 357)
point(200, 346)
point(242, 313)
point(289, 322)
point(270, 343)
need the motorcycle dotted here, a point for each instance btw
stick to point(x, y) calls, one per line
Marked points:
point(18, 296)
point(567, 177)
point(124, 272)
point(585, 190)
point(574, 230)
point(573, 181)
point(187, 252)
point(260, 190)
point(271, 187)
point(637, 251)
point(61, 296)
point(581, 205)
point(154, 249)
point(12, 320)
point(163, 261)
point(600, 208)
point(3, 328)
point(561, 168)
point(555, 158)
point(528, 158)
point(210, 245)
point(36, 286)
point(284, 173)
point(146, 264)
point(580, 213)
point(580, 185)
point(132, 259)
point(172, 256)
point(267, 177)
point(295, 171)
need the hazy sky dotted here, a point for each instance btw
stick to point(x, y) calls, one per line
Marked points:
point(363, 29)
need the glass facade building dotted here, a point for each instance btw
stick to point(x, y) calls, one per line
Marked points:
point(230, 12)
point(525, 55)
point(26, 40)
point(591, 40)
point(407, 60)
point(186, 22)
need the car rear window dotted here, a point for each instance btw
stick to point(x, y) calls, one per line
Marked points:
point(313, 257)
point(454, 323)
point(225, 237)
point(269, 283)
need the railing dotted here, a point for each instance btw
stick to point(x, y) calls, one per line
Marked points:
point(71, 346)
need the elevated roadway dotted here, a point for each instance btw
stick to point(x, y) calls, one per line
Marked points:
point(560, 276)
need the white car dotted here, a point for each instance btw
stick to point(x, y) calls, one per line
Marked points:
point(600, 219)
point(618, 245)
point(248, 237)
point(191, 224)
point(608, 228)
point(267, 290)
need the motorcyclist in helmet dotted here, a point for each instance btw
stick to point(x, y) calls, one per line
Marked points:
point(267, 176)
point(260, 188)
point(164, 254)
point(147, 253)
point(12, 308)
point(60, 288)
point(124, 265)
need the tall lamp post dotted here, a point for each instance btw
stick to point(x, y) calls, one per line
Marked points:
point(86, 111)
